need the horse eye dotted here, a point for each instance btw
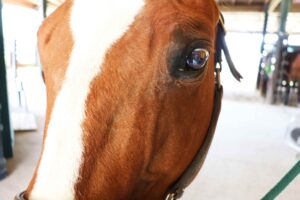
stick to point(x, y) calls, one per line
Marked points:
point(197, 59)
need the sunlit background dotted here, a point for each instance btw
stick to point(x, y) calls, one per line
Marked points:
point(252, 148)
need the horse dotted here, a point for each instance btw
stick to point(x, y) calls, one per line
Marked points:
point(133, 98)
point(295, 68)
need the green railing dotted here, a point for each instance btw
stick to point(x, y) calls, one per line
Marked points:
point(283, 183)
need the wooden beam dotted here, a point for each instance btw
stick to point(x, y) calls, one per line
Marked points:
point(55, 2)
point(254, 8)
point(273, 5)
point(242, 8)
point(26, 3)
point(295, 8)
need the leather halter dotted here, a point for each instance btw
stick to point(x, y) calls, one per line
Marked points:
point(191, 172)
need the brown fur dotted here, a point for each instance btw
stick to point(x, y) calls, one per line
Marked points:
point(143, 126)
point(295, 66)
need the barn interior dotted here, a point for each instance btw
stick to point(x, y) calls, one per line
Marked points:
point(257, 141)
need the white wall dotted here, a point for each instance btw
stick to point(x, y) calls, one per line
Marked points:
point(20, 24)
point(245, 52)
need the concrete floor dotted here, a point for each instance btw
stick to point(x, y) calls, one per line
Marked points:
point(248, 156)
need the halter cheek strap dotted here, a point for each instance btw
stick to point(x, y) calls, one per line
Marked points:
point(191, 172)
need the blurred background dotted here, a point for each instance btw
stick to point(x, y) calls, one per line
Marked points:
point(258, 136)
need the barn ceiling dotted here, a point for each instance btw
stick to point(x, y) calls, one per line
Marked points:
point(248, 15)
point(35, 4)
point(241, 15)
point(226, 5)
point(254, 5)
point(27, 3)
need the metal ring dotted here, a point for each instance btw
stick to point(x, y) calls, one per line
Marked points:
point(20, 196)
point(171, 196)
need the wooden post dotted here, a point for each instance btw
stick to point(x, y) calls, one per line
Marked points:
point(43, 4)
point(3, 170)
point(262, 48)
point(282, 35)
point(6, 133)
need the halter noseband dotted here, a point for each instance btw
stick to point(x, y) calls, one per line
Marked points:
point(188, 176)
point(191, 172)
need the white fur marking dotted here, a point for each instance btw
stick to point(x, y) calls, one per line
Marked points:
point(96, 25)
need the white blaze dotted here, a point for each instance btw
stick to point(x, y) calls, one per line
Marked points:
point(95, 25)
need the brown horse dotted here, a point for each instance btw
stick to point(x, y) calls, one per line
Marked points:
point(131, 92)
point(295, 68)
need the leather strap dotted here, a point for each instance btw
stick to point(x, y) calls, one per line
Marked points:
point(191, 172)
point(222, 46)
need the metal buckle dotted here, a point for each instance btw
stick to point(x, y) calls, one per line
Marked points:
point(20, 196)
point(171, 196)
point(218, 70)
point(175, 195)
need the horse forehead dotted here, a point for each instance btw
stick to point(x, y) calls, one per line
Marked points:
point(189, 7)
point(195, 14)
point(101, 16)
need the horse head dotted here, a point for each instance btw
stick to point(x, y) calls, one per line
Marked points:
point(130, 96)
